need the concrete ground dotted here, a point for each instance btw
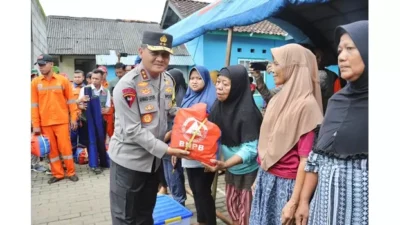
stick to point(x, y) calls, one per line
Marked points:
point(86, 201)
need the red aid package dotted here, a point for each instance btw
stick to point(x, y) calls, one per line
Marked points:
point(193, 132)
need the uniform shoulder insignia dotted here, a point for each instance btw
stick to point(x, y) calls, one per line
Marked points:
point(145, 77)
point(130, 95)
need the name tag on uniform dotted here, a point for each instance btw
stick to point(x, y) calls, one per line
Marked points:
point(147, 98)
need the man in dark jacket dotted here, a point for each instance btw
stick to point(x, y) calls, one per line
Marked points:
point(326, 78)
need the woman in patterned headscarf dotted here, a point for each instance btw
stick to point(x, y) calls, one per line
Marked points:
point(337, 168)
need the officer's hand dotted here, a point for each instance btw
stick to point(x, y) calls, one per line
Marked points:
point(74, 125)
point(37, 130)
point(177, 152)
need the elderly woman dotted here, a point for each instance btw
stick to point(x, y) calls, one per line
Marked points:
point(286, 135)
point(337, 168)
point(239, 119)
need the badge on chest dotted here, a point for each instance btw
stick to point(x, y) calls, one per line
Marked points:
point(147, 118)
point(145, 91)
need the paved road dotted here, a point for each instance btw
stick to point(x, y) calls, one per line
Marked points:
point(86, 201)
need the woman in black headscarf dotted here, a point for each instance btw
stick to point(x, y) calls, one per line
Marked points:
point(337, 168)
point(239, 119)
point(180, 85)
point(174, 177)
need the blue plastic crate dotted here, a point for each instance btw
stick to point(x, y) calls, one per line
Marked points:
point(169, 211)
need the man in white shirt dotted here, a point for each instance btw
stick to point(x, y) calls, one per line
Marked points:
point(105, 102)
point(99, 90)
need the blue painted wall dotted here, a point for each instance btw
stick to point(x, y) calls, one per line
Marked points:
point(110, 73)
point(196, 50)
point(211, 49)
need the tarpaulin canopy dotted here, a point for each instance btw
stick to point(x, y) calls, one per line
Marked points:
point(317, 19)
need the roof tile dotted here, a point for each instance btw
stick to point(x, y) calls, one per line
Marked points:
point(188, 7)
point(95, 36)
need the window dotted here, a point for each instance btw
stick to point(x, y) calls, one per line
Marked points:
point(86, 65)
point(246, 64)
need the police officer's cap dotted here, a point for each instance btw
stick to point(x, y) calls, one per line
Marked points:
point(157, 41)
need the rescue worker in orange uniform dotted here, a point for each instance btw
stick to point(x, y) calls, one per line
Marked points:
point(77, 84)
point(109, 115)
point(54, 110)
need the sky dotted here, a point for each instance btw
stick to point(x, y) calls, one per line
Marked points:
point(145, 10)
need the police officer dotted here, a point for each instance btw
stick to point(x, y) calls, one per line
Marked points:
point(143, 102)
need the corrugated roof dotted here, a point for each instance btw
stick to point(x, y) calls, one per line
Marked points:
point(186, 8)
point(96, 36)
point(181, 60)
point(175, 60)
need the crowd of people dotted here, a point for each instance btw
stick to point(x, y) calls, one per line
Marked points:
point(47, 91)
point(303, 161)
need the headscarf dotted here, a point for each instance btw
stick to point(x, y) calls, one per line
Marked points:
point(296, 109)
point(238, 116)
point(180, 85)
point(344, 132)
point(207, 95)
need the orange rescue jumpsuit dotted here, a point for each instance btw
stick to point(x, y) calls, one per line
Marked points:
point(51, 99)
point(75, 92)
point(104, 84)
point(109, 116)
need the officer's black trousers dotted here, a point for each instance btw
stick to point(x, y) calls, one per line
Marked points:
point(133, 196)
point(161, 176)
